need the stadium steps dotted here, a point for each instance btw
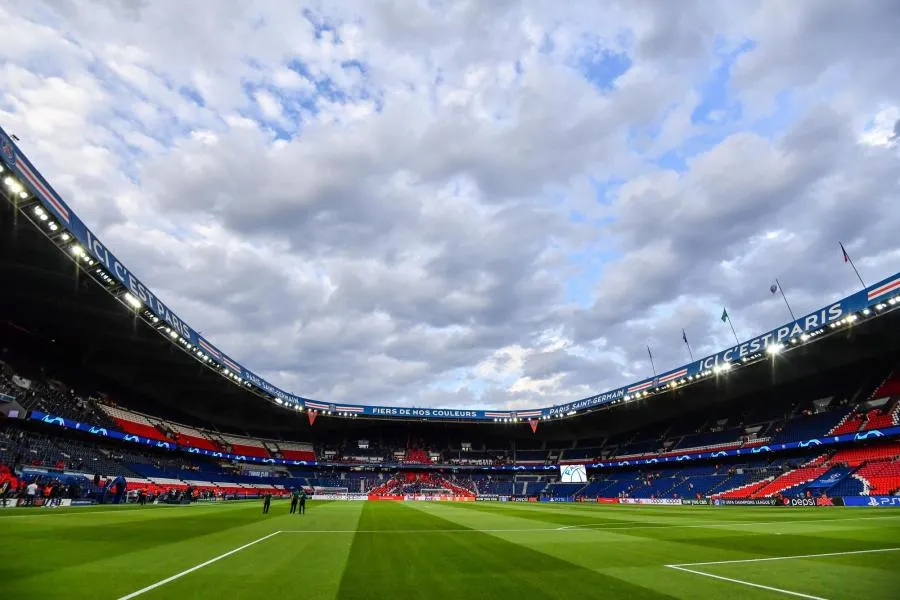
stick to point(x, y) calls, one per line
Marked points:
point(866, 487)
point(728, 484)
point(849, 424)
point(790, 479)
point(880, 478)
point(745, 491)
point(890, 386)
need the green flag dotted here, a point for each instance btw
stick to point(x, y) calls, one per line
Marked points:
point(724, 316)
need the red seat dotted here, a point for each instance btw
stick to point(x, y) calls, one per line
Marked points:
point(308, 455)
point(851, 425)
point(857, 456)
point(789, 479)
point(250, 451)
point(140, 429)
point(197, 442)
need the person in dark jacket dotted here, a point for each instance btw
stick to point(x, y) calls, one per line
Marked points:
point(267, 501)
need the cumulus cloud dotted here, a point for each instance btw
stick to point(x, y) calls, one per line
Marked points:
point(467, 203)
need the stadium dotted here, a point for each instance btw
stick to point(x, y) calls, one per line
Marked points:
point(138, 459)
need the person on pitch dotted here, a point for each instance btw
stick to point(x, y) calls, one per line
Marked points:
point(302, 510)
point(267, 501)
point(295, 497)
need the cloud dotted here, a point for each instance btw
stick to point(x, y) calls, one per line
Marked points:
point(462, 203)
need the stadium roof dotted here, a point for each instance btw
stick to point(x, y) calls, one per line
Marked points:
point(70, 237)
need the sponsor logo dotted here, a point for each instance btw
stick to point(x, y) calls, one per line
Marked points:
point(874, 501)
point(800, 502)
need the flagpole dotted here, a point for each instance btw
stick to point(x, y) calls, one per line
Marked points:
point(781, 289)
point(727, 317)
point(730, 324)
point(652, 366)
point(850, 260)
point(688, 344)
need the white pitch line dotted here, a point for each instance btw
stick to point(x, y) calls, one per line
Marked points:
point(683, 567)
point(747, 583)
point(769, 558)
point(196, 568)
point(603, 526)
point(585, 528)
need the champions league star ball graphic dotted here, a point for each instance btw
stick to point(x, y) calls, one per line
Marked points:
point(573, 474)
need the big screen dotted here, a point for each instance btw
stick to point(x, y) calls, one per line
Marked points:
point(572, 474)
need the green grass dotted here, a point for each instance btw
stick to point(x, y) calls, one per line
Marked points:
point(371, 550)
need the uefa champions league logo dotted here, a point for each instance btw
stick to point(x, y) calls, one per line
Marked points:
point(574, 474)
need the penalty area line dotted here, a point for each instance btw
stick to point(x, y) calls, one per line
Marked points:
point(797, 556)
point(747, 583)
point(684, 567)
point(163, 582)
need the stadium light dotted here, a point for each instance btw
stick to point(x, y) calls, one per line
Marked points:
point(66, 237)
point(773, 349)
point(134, 302)
point(13, 185)
point(867, 312)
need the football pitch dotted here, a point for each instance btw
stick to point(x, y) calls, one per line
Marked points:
point(525, 551)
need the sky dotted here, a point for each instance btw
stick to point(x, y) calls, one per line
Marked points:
point(469, 204)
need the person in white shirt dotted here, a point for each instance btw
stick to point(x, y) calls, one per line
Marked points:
point(30, 493)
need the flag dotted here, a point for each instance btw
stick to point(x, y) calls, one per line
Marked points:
point(844, 251)
point(312, 416)
point(684, 336)
point(773, 288)
point(534, 424)
point(724, 316)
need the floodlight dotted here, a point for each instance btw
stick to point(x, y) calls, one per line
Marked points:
point(134, 302)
